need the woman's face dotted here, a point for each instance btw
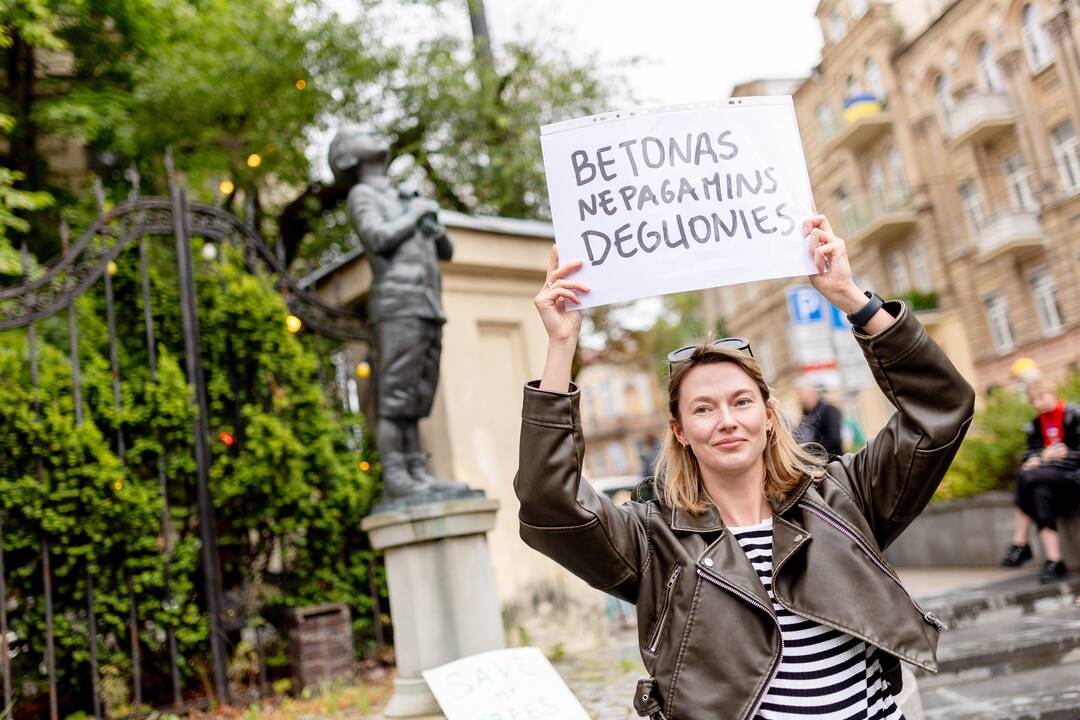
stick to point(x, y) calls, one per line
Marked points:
point(723, 418)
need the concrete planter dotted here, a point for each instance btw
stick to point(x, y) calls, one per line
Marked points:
point(958, 533)
point(973, 532)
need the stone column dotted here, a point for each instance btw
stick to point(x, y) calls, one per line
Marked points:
point(1032, 135)
point(442, 592)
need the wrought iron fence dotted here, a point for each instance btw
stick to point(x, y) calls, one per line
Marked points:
point(54, 289)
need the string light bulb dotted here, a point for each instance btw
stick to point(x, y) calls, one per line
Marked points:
point(365, 465)
point(226, 186)
point(254, 160)
point(111, 268)
point(209, 252)
point(293, 324)
point(118, 485)
point(301, 84)
point(363, 370)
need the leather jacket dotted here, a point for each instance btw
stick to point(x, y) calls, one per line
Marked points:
point(706, 629)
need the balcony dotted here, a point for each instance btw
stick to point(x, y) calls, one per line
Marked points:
point(864, 122)
point(980, 117)
point(883, 217)
point(1009, 232)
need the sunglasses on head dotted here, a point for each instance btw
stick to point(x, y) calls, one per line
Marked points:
point(739, 344)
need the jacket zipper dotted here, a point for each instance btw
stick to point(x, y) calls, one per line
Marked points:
point(661, 617)
point(928, 616)
point(753, 601)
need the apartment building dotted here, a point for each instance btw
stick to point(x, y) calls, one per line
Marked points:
point(941, 140)
point(623, 412)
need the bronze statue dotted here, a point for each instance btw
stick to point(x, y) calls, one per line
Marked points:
point(403, 241)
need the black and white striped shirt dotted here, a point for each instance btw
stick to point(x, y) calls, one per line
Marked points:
point(824, 673)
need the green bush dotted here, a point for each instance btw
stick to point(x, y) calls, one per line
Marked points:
point(920, 300)
point(994, 447)
point(289, 493)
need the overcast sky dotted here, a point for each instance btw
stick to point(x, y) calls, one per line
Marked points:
point(692, 49)
point(695, 49)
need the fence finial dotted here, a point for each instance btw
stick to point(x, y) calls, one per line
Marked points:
point(65, 234)
point(132, 176)
point(170, 167)
point(99, 194)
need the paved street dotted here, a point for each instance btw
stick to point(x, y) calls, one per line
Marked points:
point(604, 679)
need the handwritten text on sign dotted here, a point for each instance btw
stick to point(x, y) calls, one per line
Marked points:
point(679, 198)
point(514, 684)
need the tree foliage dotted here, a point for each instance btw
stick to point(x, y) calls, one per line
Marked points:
point(993, 449)
point(288, 493)
point(246, 86)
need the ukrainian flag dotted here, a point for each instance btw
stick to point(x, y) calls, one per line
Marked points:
point(859, 106)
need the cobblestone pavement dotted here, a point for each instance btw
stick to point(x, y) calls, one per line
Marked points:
point(604, 679)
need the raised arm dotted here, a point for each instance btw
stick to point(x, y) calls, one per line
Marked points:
point(376, 232)
point(894, 476)
point(561, 515)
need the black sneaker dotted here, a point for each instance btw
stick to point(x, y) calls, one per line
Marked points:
point(1016, 556)
point(1053, 571)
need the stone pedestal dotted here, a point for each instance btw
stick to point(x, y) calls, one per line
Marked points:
point(442, 592)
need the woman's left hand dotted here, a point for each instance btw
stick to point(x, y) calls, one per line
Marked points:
point(830, 255)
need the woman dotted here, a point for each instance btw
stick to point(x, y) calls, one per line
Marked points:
point(757, 572)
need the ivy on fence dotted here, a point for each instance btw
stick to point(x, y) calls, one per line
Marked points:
point(289, 491)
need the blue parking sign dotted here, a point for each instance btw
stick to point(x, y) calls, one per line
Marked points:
point(806, 305)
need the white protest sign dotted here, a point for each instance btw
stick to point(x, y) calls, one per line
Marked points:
point(679, 198)
point(513, 684)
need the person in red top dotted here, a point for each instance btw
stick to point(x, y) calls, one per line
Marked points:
point(1048, 484)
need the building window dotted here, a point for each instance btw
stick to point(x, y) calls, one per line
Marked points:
point(972, 205)
point(618, 460)
point(1036, 42)
point(1018, 180)
point(899, 176)
point(858, 8)
point(608, 408)
point(898, 272)
point(851, 87)
point(920, 269)
point(873, 79)
point(1046, 302)
point(989, 71)
point(834, 26)
point(826, 121)
point(876, 180)
point(1067, 155)
point(943, 90)
point(997, 314)
point(847, 210)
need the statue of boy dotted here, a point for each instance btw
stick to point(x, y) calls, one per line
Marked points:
point(403, 241)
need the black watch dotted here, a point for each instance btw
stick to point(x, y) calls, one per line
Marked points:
point(863, 315)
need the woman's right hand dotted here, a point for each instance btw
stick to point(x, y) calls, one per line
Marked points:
point(562, 324)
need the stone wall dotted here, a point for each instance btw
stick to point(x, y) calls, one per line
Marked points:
point(971, 532)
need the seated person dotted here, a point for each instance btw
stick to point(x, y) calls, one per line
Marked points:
point(1048, 484)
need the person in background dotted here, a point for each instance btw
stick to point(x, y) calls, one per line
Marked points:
point(1048, 484)
point(820, 421)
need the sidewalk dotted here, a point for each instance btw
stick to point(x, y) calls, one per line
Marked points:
point(604, 678)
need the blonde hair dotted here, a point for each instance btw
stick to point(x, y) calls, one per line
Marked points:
point(678, 475)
